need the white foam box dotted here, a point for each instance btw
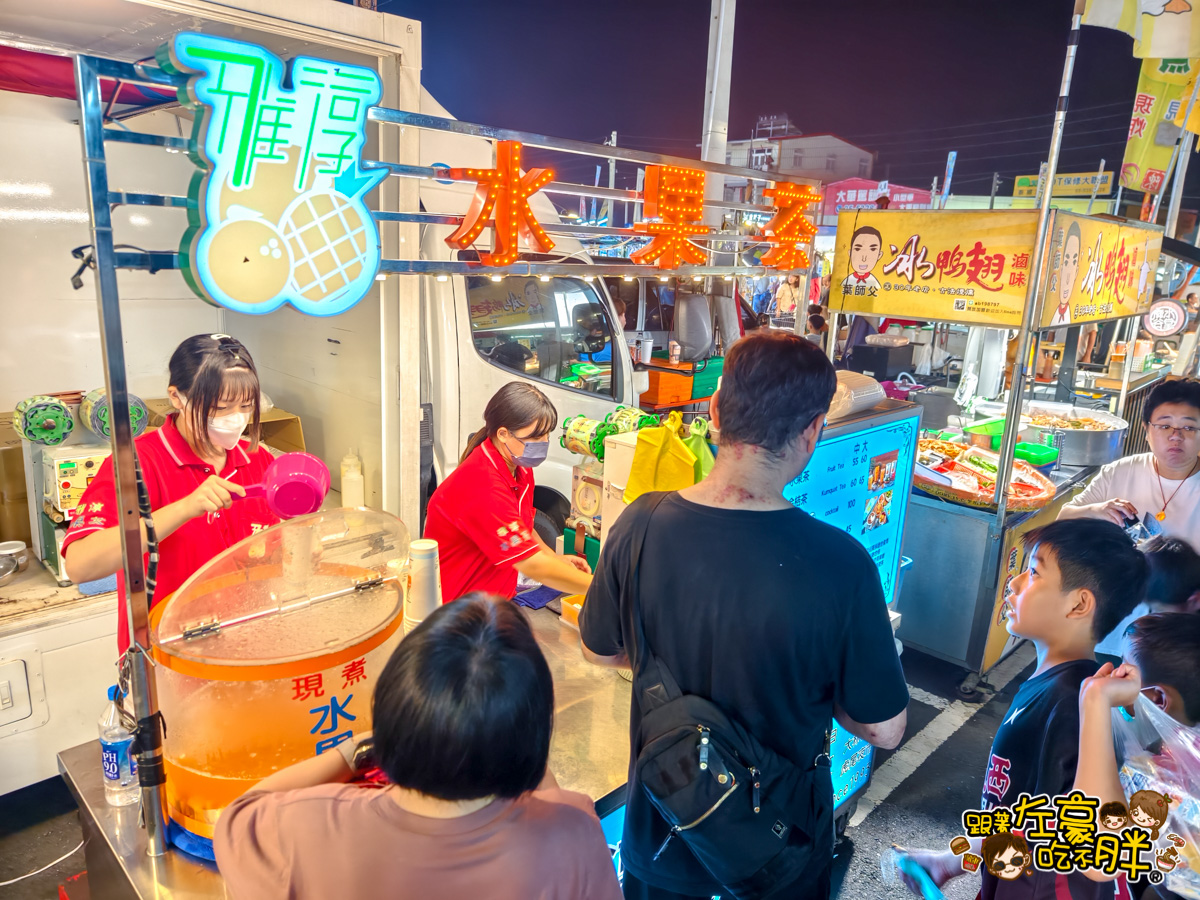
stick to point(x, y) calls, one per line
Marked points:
point(618, 463)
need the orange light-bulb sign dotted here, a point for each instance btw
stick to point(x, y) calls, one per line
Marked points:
point(503, 194)
point(675, 196)
point(789, 227)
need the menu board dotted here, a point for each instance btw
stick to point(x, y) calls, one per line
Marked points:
point(859, 482)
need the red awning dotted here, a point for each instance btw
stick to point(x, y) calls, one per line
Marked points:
point(27, 72)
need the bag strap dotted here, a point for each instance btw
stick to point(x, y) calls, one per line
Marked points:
point(657, 685)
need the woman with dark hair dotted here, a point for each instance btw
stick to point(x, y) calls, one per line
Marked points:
point(463, 714)
point(482, 514)
point(194, 467)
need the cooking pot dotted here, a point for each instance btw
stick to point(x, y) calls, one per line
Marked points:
point(1079, 447)
point(295, 484)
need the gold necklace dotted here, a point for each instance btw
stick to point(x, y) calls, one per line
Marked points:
point(1162, 514)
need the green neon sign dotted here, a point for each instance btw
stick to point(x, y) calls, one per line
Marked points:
point(278, 211)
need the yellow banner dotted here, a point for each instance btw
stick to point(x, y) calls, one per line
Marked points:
point(971, 267)
point(1066, 184)
point(1099, 269)
point(1160, 28)
point(1152, 126)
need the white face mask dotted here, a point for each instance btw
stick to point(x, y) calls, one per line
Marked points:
point(226, 431)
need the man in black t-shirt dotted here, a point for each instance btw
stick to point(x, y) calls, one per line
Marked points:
point(776, 617)
point(1082, 578)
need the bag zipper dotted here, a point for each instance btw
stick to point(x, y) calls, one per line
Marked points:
point(677, 829)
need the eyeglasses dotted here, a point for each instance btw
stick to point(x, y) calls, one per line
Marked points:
point(1186, 431)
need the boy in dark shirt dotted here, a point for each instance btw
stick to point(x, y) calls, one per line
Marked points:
point(1083, 577)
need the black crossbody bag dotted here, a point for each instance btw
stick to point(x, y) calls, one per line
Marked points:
point(714, 783)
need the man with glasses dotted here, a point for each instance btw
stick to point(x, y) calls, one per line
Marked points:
point(1162, 485)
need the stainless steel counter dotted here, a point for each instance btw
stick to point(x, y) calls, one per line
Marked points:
point(589, 753)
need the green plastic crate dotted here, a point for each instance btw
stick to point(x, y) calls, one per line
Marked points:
point(704, 383)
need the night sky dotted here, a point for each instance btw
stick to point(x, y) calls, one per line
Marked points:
point(910, 80)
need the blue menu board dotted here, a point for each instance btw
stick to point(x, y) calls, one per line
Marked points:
point(859, 482)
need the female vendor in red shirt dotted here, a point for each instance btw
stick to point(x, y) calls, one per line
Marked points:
point(482, 514)
point(195, 467)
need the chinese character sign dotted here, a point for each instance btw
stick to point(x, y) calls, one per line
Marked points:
point(279, 214)
point(972, 267)
point(1152, 132)
point(1066, 184)
point(1099, 269)
point(503, 195)
point(674, 208)
point(789, 228)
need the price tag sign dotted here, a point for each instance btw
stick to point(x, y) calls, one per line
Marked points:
point(1165, 318)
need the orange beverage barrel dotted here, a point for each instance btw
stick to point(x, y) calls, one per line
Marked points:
point(269, 654)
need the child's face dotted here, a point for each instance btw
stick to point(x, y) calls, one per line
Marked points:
point(1164, 696)
point(1112, 823)
point(1038, 605)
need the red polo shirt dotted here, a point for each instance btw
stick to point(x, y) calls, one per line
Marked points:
point(172, 470)
point(482, 518)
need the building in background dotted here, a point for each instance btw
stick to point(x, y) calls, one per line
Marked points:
point(777, 145)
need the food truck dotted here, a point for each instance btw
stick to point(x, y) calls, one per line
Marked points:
point(348, 367)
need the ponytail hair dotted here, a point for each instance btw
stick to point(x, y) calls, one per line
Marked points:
point(515, 406)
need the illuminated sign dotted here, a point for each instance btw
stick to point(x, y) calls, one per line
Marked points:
point(503, 192)
point(1099, 269)
point(1066, 184)
point(788, 227)
point(675, 199)
point(278, 215)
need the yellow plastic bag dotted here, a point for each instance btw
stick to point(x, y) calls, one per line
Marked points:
point(661, 462)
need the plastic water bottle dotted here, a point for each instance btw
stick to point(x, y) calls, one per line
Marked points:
point(353, 489)
point(116, 755)
point(893, 863)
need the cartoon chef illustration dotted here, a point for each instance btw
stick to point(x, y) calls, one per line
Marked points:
point(866, 249)
point(1067, 273)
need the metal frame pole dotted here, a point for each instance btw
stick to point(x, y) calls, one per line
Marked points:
point(1040, 263)
point(143, 690)
point(1096, 186)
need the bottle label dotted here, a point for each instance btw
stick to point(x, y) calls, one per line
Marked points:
point(110, 758)
point(118, 761)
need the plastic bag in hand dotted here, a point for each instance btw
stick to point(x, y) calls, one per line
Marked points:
point(1163, 756)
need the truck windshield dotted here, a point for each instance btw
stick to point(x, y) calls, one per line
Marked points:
point(557, 330)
